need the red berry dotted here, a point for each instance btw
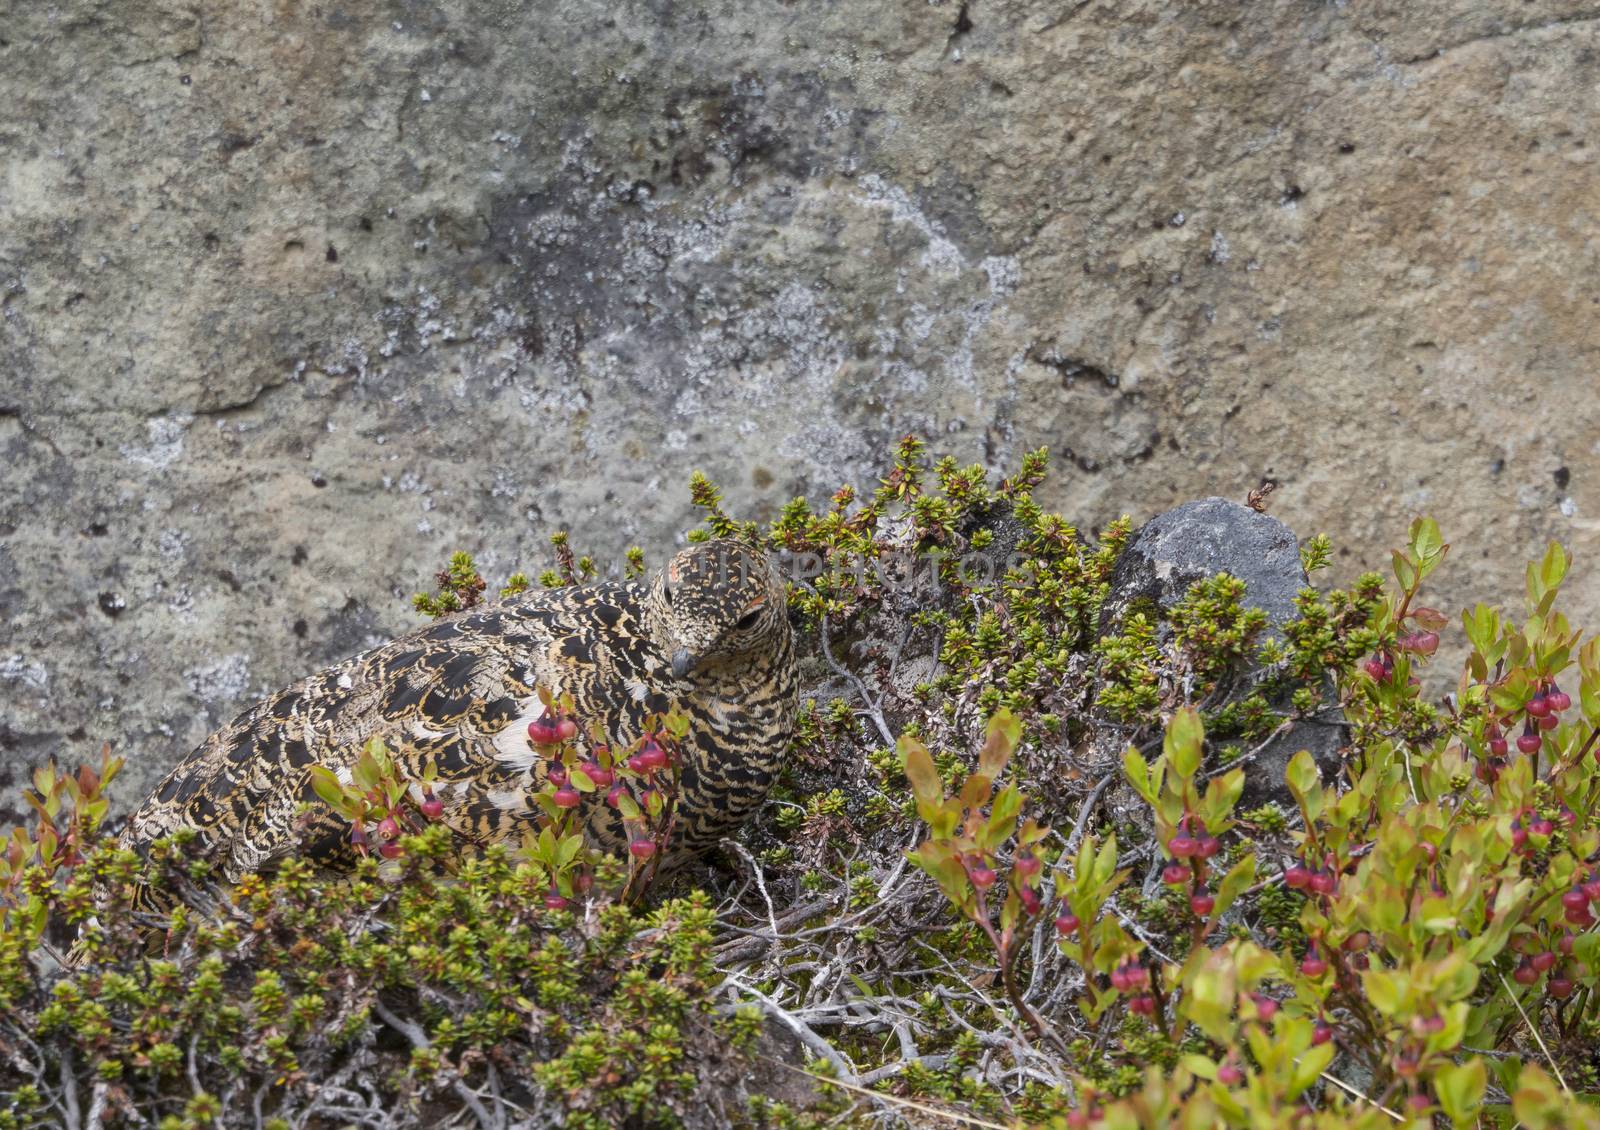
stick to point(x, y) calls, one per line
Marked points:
point(567, 729)
point(1067, 923)
point(1206, 847)
point(1542, 827)
point(1499, 747)
point(615, 795)
point(1525, 973)
point(388, 828)
point(982, 877)
point(554, 901)
point(1538, 706)
point(390, 850)
point(1174, 874)
point(1321, 1033)
point(1026, 864)
point(1560, 987)
point(1543, 960)
point(642, 849)
point(602, 778)
point(1592, 889)
point(1030, 900)
point(651, 756)
point(1575, 899)
point(1375, 668)
point(1201, 904)
point(1519, 835)
point(544, 730)
point(432, 808)
point(1181, 846)
point(567, 797)
point(1549, 722)
point(1313, 966)
point(1229, 1075)
point(1322, 882)
point(1581, 918)
point(1144, 1005)
point(1528, 741)
point(1077, 1120)
point(557, 774)
point(1567, 942)
point(1297, 877)
point(1559, 701)
point(1266, 1007)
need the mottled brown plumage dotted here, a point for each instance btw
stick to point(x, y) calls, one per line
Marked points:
point(708, 635)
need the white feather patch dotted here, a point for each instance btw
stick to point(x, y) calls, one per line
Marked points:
point(511, 745)
point(507, 799)
point(637, 689)
point(418, 730)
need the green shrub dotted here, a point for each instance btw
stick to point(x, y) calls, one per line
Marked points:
point(1086, 930)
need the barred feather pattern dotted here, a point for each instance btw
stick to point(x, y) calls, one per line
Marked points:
point(456, 697)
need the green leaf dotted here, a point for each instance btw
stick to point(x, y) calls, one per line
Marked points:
point(1137, 770)
point(925, 783)
point(628, 807)
point(326, 785)
point(1184, 739)
point(1310, 1068)
point(581, 780)
point(1234, 884)
point(1404, 571)
point(1000, 741)
point(1222, 793)
point(1305, 782)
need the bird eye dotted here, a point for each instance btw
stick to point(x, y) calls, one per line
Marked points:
point(748, 620)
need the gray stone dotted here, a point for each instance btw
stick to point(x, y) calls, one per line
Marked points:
point(297, 298)
point(1200, 539)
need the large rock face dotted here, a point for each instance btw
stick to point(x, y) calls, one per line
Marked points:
point(296, 297)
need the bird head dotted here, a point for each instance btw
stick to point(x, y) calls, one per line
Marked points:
point(715, 603)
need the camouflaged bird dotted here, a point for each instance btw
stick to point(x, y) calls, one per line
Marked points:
point(707, 635)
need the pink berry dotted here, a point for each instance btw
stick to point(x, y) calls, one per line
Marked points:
point(389, 850)
point(1181, 846)
point(1068, 923)
point(432, 808)
point(1591, 888)
point(557, 774)
point(1560, 987)
point(615, 794)
point(650, 756)
point(1499, 747)
point(1322, 882)
point(642, 849)
point(1529, 741)
point(1321, 1033)
point(1201, 904)
point(566, 729)
point(1575, 899)
point(1543, 961)
point(1297, 878)
point(1559, 701)
point(1525, 973)
point(1542, 827)
point(544, 730)
point(388, 828)
point(982, 877)
point(1030, 900)
point(1229, 1075)
point(1206, 847)
point(1174, 874)
point(1538, 706)
point(1375, 668)
point(567, 797)
point(1549, 722)
point(1567, 941)
point(554, 901)
point(1313, 967)
point(1026, 864)
point(601, 777)
point(1266, 1007)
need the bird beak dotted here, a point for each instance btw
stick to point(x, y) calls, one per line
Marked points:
point(682, 661)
